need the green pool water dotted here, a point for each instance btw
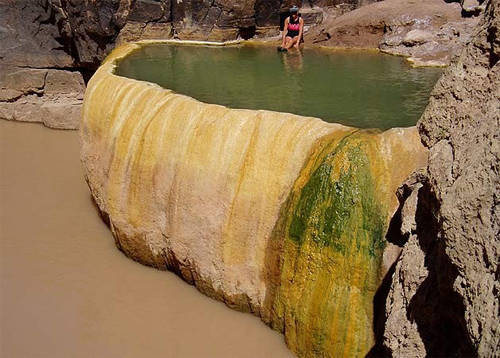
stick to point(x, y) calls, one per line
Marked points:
point(357, 88)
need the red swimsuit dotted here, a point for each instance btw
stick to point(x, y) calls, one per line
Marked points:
point(293, 27)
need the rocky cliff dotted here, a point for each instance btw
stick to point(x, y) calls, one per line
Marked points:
point(444, 296)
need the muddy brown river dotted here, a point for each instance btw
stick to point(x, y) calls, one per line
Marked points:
point(66, 291)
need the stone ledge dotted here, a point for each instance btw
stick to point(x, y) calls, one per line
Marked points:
point(49, 96)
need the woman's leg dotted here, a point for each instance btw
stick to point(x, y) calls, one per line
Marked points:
point(288, 42)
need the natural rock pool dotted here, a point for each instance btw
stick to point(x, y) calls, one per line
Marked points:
point(272, 213)
point(356, 88)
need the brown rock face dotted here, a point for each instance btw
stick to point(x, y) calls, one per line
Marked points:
point(37, 83)
point(444, 295)
point(28, 36)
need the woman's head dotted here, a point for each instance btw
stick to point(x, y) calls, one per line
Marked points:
point(294, 11)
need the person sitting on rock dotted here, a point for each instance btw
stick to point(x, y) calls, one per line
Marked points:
point(293, 29)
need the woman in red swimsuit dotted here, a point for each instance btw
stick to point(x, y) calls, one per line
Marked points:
point(292, 33)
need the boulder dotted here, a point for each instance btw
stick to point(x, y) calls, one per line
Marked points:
point(63, 114)
point(417, 37)
point(151, 31)
point(28, 36)
point(15, 82)
point(312, 16)
point(472, 7)
point(469, 4)
point(148, 11)
point(64, 83)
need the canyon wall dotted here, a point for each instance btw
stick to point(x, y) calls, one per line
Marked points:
point(272, 213)
point(444, 296)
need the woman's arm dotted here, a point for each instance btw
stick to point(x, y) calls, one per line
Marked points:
point(285, 32)
point(301, 30)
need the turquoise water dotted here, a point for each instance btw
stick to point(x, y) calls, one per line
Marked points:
point(357, 88)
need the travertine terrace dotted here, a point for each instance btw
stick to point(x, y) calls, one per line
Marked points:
point(276, 214)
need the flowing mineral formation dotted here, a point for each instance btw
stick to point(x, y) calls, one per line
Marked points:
point(276, 214)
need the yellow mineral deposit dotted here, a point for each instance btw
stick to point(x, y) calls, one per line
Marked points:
point(280, 215)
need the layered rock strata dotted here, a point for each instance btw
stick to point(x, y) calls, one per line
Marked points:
point(52, 97)
point(38, 82)
point(279, 215)
point(444, 295)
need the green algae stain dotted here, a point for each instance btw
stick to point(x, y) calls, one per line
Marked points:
point(332, 230)
point(326, 206)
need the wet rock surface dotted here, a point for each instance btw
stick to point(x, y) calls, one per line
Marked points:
point(444, 295)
